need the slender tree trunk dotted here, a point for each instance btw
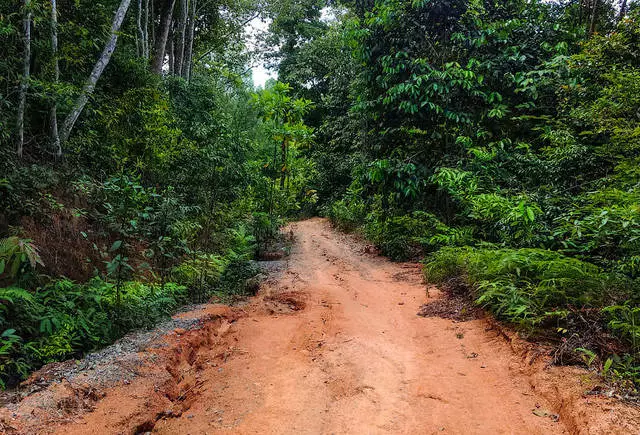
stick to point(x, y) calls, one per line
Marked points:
point(283, 169)
point(140, 33)
point(26, 72)
point(153, 24)
point(623, 10)
point(188, 55)
point(593, 18)
point(146, 30)
point(171, 56)
point(162, 36)
point(53, 115)
point(97, 71)
point(182, 33)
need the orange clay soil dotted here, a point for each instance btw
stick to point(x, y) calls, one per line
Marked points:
point(333, 345)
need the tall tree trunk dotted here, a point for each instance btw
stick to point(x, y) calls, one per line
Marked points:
point(188, 52)
point(284, 168)
point(171, 55)
point(182, 33)
point(97, 71)
point(153, 24)
point(594, 17)
point(53, 115)
point(24, 81)
point(162, 36)
point(146, 30)
point(623, 10)
point(140, 33)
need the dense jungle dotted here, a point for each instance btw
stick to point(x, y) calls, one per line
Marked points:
point(144, 168)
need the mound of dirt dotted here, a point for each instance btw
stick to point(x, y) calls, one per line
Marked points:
point(286, 302)
point(452, 306)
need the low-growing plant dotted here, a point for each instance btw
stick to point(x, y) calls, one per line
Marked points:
point(16, 255)
point(624, 320)
point(63, 319)
point(525, 285)
point(200, 273)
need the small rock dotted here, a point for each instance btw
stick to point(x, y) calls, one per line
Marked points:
point(400, 303)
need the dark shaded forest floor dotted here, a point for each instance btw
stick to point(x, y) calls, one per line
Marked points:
point(331, 344)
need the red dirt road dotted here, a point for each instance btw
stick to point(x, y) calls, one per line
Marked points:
point(334, 346)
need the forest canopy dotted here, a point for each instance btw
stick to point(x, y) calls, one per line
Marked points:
point(140, 168)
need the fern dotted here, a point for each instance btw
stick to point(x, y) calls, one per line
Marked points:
point(11, 294)
point(625, 320)
point(525, 286)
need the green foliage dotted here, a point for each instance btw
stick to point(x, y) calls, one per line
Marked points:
point(16, 254)
point(526, 286)
point(408, 236)
point(502, 138)
point(151, 204)
point(63, 319)
point(239, 279)
point(201, 272)
point(287, 172)
point(511, 125)
point(625, 321)
point(264, 227)
point(350, 212)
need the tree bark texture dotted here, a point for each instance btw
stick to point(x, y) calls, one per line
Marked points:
point(24, 81)
point(180, 37)
point(188, 54)
point(53, 115)
point(162, 36)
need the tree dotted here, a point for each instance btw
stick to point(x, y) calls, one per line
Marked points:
point(284, 118)
point(97, 71)
point(53, 116)
point(26, 75)
point(188, 54)
point(162, 36)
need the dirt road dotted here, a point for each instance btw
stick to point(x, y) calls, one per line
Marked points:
point(333, 346)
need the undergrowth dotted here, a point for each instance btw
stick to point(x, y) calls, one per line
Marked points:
point(590, 314)
point(63, 320)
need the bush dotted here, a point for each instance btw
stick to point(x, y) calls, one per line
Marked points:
point(536, 288)
point(200, 273)
point(526, 286)
point(63, 319)
point(410, 236)
point(238, 279)
point(347, 215)
point(403, 237)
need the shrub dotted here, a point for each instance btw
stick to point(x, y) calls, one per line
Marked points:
point(238, 279)
point(400, 237)
point(347, 214)
point(17, 256)
point(526, 286)
point(201, 274)
point(63, 319)
point(265, 228)
point(410, 236)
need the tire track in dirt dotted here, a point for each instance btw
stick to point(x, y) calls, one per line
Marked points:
point(333, 345)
